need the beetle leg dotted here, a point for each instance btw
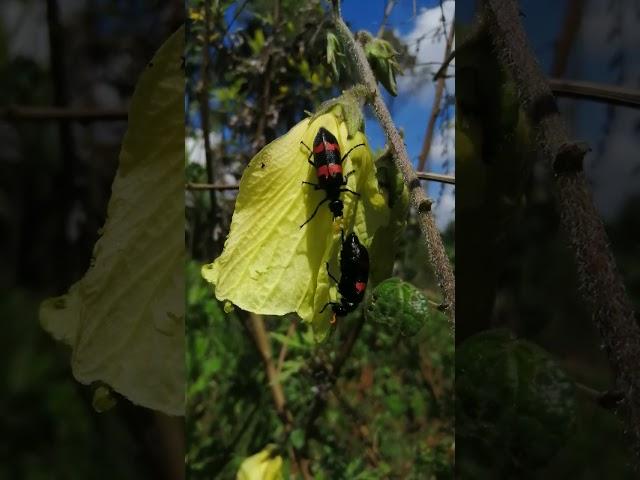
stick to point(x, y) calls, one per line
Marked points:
point(314, 212)
point(327, 304)
point(344, 181)
point(329, 273)
point(350, 150)
point(350, 191)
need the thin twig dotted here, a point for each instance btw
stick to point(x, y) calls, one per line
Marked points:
point(283, 351)
point(422, 204)
point(204, 93)
point(568, 34)
point(608, 399)
point(20, 113)
point(387, 11)
point(211, 186)
point(263, 345)
point(610, 94)
point(600, 283)
point(433, 177)
point(435, 109)
point(437, 177)
point(320, 401)
point(67, 190)
point(261, 338)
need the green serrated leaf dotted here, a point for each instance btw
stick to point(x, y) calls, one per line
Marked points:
point(515, 406)
point(399, 305)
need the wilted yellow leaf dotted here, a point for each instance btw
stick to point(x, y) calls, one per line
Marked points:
point(125, 318)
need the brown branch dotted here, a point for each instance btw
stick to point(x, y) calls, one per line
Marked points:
point(261, 339)
point(211, 186)
point(611, 94)
point(608, 399)
point(422, 204)
point(21, 113)
point(436, 177)
point(204, 87)
point(283, 350)
point(433, 177)
point(599, 281)
point(570, 28)
point(333, 372)
point(387, 11)
point(263, 345)
point(265, 98)
point(66, 186)
point(435, 109)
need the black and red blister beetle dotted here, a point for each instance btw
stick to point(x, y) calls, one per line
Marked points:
point(354, 274)
point(328, 164)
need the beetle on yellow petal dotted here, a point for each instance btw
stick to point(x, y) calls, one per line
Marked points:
point(272, 266)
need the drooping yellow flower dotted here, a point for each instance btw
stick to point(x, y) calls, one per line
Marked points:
point(269, 264)
point(124, 320)
point(265, 465)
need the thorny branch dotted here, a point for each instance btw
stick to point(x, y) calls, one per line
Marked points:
point(599, 281)
point(419, 199)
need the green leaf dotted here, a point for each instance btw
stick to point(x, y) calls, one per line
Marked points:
point(382, 58)
point(297, 438)
point(291, 342)
point(515, 406)
point(399, 305)
point(125, 318)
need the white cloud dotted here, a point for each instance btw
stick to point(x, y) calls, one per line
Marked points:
point(443, 148)
point(444, 207)
point(428, 50)
point(194, 146)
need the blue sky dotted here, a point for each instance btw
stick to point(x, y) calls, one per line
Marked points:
point(411, 109)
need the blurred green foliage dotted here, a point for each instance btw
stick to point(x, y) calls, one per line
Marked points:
point(50, 428)
point(389, 414)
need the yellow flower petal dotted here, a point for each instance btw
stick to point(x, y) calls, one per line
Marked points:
point(125, 318)
point(261, 466)
point(269, 264)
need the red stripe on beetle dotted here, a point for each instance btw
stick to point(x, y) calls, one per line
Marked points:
point(323, 171)
point(360, 286)
point(329, 146)
point(334, 168)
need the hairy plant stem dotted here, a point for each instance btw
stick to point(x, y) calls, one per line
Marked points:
point(599, 281)
point(419, 199)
